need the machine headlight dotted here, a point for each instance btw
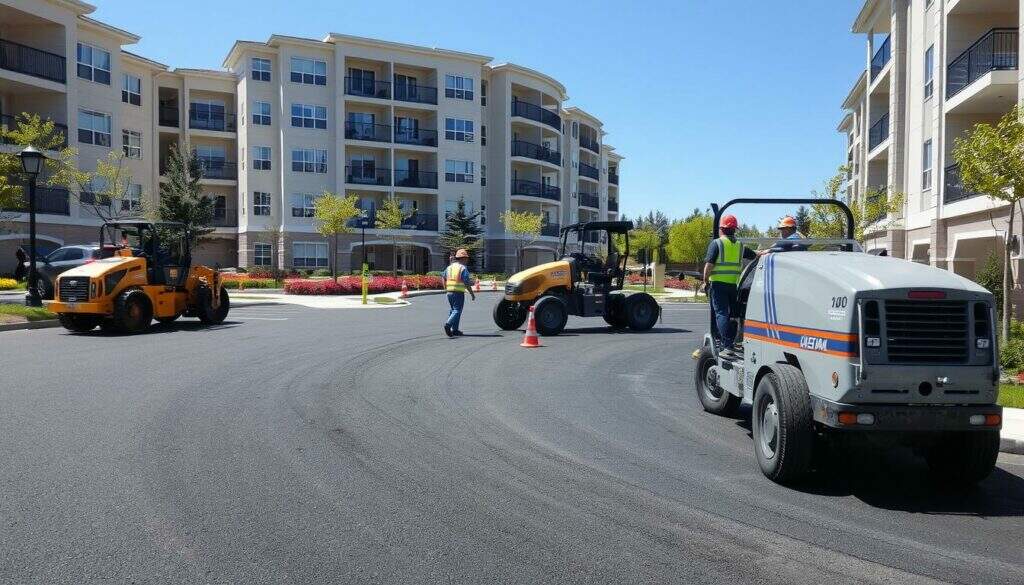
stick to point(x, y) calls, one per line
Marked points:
point(873, 342)
point(93, 289)
point(110, 281)
point(513, 288)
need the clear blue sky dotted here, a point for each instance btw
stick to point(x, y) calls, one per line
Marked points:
point(705, 99)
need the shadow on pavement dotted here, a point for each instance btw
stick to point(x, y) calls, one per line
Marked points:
point(583, 330)
point(156, 328)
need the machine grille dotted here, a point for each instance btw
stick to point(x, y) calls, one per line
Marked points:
point(934, 332)
point(74, 289)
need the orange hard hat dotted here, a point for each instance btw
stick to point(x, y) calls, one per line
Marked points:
point(787, 222)
point(462, 253)
point(728, 222)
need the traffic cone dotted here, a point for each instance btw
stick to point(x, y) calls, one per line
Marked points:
point(476, 287)
point(530, 339)
point(405, 289)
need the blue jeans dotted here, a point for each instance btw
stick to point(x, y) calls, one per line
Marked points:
point(723, 299)
point(456, 300)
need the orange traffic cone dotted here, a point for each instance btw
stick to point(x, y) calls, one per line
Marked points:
point(405, 290)
point(476, 287)
point(530, 339)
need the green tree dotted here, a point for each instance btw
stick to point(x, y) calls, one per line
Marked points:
point(29, 130)
point(462, 230)
point(990, 276)
point(872, 212)
point(524, 227)
point(688, 240)
point(991, 162)
point(332, 214)
point(391, 216)
point(182, 198)
point(105, 192)
point(803, 219)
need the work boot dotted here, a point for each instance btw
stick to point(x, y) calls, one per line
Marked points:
point(448, 330)
point(457, 333)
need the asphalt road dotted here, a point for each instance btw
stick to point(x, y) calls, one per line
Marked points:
point(316, 446)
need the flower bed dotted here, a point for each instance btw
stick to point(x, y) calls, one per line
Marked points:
point(352, 285)
point(235, 281)
point(681, 283)
point(8, 284)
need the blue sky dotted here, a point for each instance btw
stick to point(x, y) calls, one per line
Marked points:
point(705, 99)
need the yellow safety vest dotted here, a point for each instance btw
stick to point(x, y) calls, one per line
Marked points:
point(729, 263)
point(453, 278)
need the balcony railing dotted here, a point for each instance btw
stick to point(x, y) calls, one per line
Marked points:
point(881, 57)
point(364, 87)
point(211, 120)
point(589, 171)
point(49, 200)
point(879, 132)
point(223, 217)
point(364, 176)
point(218, 169)
point(168, 115)
point(536, 152)
point(590, 200)
point(550, 230)
point(11, 122)
point(590, 144)
point(420, 94)
point(995, 51)
point(367, 131)
point(953, 187)
point(415, 179)
point(613, 205)
point(613, 178)
point(415, 136)
point(30, 61)
point(536, 113)
point(420, 222)
point(535, 189)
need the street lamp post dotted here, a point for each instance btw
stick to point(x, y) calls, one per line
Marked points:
point(32, 164)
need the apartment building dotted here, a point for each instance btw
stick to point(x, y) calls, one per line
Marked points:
point(290, 118)
point(933, 69)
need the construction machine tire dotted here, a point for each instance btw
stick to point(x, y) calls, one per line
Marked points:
point(79, 323)
point(641, 311)
point(132, 311)
point(960, 460)
point(509, 315)
point(712, 396)
point(205, 311)
point(551, 315)
point(616, 312)
point(783, 425)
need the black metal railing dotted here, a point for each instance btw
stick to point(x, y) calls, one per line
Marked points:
point(535, 189)
point(550, 229)
point(365, 176)
point(168, 115)
point(536, 152)
point(996, 50)
point(589, 171)
point(31, 61)
point(953, 186)
point(536, 113)
point(417, 136)
point(420, 94)
point(370, 220)
point(223, 217)
point(590, 200)
point(366, 87)
point(613, 178)
point(415, 179)
point(613, 205)
point(879, 132)
point(11, 122)
point(590, 144)
point(217, 169)
point(199, 119)
point(882, 56)
point(367, 131)
point(49, 200)
point(421, 222)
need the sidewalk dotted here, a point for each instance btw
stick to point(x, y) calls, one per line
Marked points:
point(1012, 435)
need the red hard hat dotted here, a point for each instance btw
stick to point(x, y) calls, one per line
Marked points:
point(728, 222)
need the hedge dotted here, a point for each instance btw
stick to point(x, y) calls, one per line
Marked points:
point(352, 285)
point(8, 284)
point(235, 282)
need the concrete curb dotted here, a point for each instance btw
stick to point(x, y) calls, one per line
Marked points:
point(44, 324)
point(1014, 446)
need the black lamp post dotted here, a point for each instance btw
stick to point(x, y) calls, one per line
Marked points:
point(32, 164)
point(363, 220)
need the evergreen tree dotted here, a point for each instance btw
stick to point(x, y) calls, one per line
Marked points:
point(182, 198)
point(462, 230)
point(803, 220)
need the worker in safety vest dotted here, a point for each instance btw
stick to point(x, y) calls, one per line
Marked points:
point(788, 230)
point(722, 264)
point(457, 283)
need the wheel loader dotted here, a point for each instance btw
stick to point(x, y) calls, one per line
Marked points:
point(149, 276)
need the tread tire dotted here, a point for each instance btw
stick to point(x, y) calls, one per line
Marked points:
point(78, 322)
point(129, 319)
point(961, 460)
point(725, 405)
point(551, 315)
point(785, 387)
point(641, 311)
point(205, 311)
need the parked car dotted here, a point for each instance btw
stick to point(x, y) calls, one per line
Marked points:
point(48, 267)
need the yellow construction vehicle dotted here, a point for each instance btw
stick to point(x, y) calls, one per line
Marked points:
point(148, 275)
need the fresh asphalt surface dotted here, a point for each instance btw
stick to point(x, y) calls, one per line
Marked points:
point(350, 446)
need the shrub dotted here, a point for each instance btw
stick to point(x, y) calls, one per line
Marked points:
point(990, 276)
point(8, 284)
point(234, 281)
point(322, 272)
point(352, 285)
point(1011, 354)
point(241, 270)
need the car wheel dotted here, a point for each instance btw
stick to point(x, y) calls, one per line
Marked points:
point(642, 311)
point(79, 323)
point(783, 426)
point(206, 312)
point(712, 396)
point(509, 315)
point(550, 315)
point(132, 311)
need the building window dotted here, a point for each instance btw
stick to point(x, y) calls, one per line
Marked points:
point(458, 129)
point(261, 158)
point(94, 128)
point(93, 64)
point(131, 90)
point(309, 255)
point(926, 165)
point(260, 203)
point(309, 160)
point(483, 211)
point(132, 198)
point(131, 142)
point(458, 171)
point(483, 135)
point(483, 175)
point(306, 116)
point(575, 130)
point(261, 254)
point(260, 69)
point(303, 204)
point(261, 113)
point(458, 87)
point(929, 66)
point(309, 71)
point(483, 93)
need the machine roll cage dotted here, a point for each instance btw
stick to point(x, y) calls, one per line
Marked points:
point(848, 243)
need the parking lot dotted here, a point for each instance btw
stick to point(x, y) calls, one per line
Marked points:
point(294, 444)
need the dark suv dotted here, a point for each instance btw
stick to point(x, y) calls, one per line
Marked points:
point(61, 259)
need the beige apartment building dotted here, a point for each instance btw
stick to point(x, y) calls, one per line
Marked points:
point(933, 69)
point(290, 118)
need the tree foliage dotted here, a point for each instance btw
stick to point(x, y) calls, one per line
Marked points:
point(462, 230)
point(29, 130)
point(524, 227)
point(104, 192)
point(876, 210)
point(391, 216)
point(332, 214)
point(688, 239)
point(182, 198)
point(644, 241)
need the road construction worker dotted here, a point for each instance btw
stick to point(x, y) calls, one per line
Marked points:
point(722, 264)
point(457, 283)
point(788, 231)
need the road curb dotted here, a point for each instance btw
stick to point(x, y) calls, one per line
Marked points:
point(1014, 446)
point(43, 324)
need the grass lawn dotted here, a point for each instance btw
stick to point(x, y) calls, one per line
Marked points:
point(11, 313)
point(1011, 395)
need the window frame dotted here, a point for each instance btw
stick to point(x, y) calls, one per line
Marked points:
point(316, 247)
point(257, 256)
point(929, 71)
point(309, 116)
point(926, 165)
point(127, 95)
point(132, 201)
point(460, 87)
point(466, 134)
point(262, 203)
point(311, 160)
point(258, 162)
point(314, 78)
point(91, 65)
point(452, 174)
point(126, 144)
point(92, 132)
point(307, 205)
point(259, 74)
point(258, 117)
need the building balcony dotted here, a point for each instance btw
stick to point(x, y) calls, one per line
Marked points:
point(997, 50)
point(223, 217)
point(536, 152)
point(551, 230)
point(534, 189)
point(364, 176)
point(590, 200)
point(953, 187)
point(49, 200)
point(879, 132)
point(881, 58)
point(613, 205)
point(168, 115)
point(415, 179)
point(201, 119)
point(420, 222)
point(590, 144)
point(417, 94)
point(416, 137)
point(589, 171)
point(613, 178)
point(30, 61)
point(363, 87)
point(366, 131)
point(536, 113)
point(11, 123)
point(216, 169)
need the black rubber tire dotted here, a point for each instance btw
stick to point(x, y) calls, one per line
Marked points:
point(509, 315)
point(132, 311)
point(616, 312)
point(78, 322)
point(714, 400)
point(170, 319)
point(205, 311)
point(960, 460)
point(551, 315)
point(641, 311)
point(789, 458)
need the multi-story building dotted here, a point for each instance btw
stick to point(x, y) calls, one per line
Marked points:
point(933, 69)
point(291, 118)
